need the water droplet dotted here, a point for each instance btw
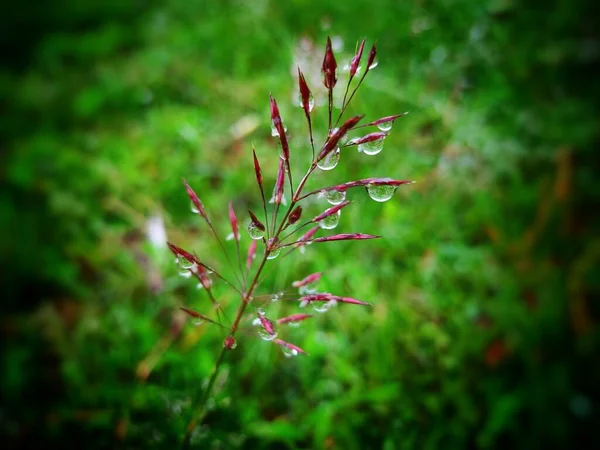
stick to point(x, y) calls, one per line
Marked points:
point(266, 336)
point(185, 273)
point(386, 126)
point(275, 297)
point(330, 222)
point(274, 131)
point(274, 253)
point(373, 65)
point(381, 193)
point(330, 161)
point(335, 197)
point(311, 102)
point(184, 263)
point(322, 307)
point(194, 209)
point(255, 232)
point(308, 289)
point(371, 148)
point(289, 352)
point(197, 322)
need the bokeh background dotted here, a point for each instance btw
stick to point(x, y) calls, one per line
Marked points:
point(484, 329)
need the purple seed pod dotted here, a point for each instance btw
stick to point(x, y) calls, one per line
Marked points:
point(294, 349)
point(329, 297)
point(329, 67)
point(257, 223)
point(294, 318)
point(278, 124)
point(330, 211)
point(334, 139)
point(366, 138)
point(251, 254)
point(356, 60)
point(196, 201)
point(305, 95)
point(346, 237)
point(278, 190)
point(312, 278)
point(257, 171)
point(295, 215)
point(234, 223)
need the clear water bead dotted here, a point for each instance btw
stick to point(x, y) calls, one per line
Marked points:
point(381, 193)
point(386, 126)
point(330, 222)
point(330, 161)
point(255, 232)
point(307, 289)
point(274, 253)
point(194, 209)
point(322, 307)
point(185, 273)
point(289, 352)
point(265, 335)
point(274, 131)
point(311, 102)
point(371, 148)
point(335, 197)
point(184, 263)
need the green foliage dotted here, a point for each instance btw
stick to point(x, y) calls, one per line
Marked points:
point(483, 326)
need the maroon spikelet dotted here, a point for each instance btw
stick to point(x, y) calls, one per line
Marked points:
point(278, 124)
point(330, 211)
point(356, 60)
point(292, 347)
point(329, 67)
point(304, 94)
point(234, 223)
point(196, 201)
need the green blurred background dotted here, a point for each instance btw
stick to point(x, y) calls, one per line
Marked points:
point(484, 331)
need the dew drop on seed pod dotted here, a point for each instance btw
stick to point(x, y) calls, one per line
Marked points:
point(335, 197)
point(184, 263)
point(330, 161)
point(371, 148)
point(307, 289)
point(322, 307)
point(373, 65)
point(330, 222)
point(289, 352)
point(311, 102)
point(185, 273)
point(274, 131)
point(381, 193)
point(274, 253)
point(194, 209)
point(265, 336)
point(255, 232)
point(275, 297)
point(197, 322)
point(386, 126)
